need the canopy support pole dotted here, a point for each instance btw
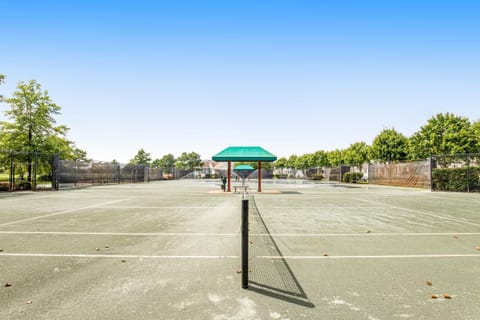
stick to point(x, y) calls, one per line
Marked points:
point(229, 174)
point(259, 176)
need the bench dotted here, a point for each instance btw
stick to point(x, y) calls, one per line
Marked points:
point(239, 187)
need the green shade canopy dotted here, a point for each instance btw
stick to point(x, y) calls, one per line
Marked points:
point(244, 154)
point(243, 167)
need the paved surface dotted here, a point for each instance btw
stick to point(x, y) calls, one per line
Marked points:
point(170, 250)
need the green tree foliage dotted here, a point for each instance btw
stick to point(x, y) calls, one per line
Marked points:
point(357, 153)
point(141, 157)
point(335, 157)
point(389, 145)
point(445, 133)
point(292, 161)
point(189, 161)
point(2, 79)
point(280, 163)
point(476, 135)
point(155, 163)
point(167, 162)
point(320, 159)
point(305, 161)
point(32, 126)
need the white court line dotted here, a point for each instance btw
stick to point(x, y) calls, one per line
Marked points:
point(140, 234)
point(193, 257)
point(406, 256)
point(183, 234)
point(421, 212)
point(170, 207)
point(125, 256)
point(60, 213)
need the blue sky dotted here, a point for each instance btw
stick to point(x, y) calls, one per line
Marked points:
point(291, 76)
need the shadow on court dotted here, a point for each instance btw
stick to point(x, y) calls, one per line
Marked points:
point(271, 277)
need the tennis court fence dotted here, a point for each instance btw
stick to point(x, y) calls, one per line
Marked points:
point(45, 171)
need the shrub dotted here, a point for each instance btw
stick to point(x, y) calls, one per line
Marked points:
point(352, 177)
point(455, 179)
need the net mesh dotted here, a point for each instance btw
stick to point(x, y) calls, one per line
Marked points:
point(272, 276)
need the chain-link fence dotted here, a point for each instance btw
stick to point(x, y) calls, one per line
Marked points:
point(406, 174)
point(26, 171)
point(76, 173)
point(456, 172)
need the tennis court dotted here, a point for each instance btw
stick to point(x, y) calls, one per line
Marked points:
point(170, 250)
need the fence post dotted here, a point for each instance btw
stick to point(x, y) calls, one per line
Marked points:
point(245, 243)
point(468, 169)
point(34, 178)
point(55, 163)
point(12, 173)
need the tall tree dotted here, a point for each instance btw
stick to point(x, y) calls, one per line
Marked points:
point(280, 163)
point(476, 135)
point(357, 153)
point(33, 126)
point(389, 145)
point(445, 133)
point(141, 157)
point(189, 161)
point(320, 159)
point(336, 157)
point(167, 162)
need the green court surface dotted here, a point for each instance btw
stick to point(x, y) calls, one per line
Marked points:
point(171, 250)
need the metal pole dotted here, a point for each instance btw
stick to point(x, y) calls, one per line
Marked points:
point(34, 178)
point(245, 244)
point(468, 169)
point(12, 172)
point(229, 173)
point(259, 176)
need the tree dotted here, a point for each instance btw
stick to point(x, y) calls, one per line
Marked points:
point(141, 157)
point(320, 159)
point(292, 161)
point(2, 80)
point(335, 157)
point(280, 163)
point(389, 145)
point(305, 161)
point(167, 162)
point(33, 126)
point(445, 133)
point(189, 161)
point(476, 135)
point(357, 153)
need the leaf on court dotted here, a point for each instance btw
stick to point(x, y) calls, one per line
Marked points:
point(7, 285)
point(1, 250)
point(97, 249)
point(123, 260)
point(447, 296)
point(29, 302)
point(429, 283)
point(434, 296)
point(325, 255)
point(455, 237)
point(239, 271)
point(478, 248)
point(107, 246)
point(369, 231)
point(251, 242)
